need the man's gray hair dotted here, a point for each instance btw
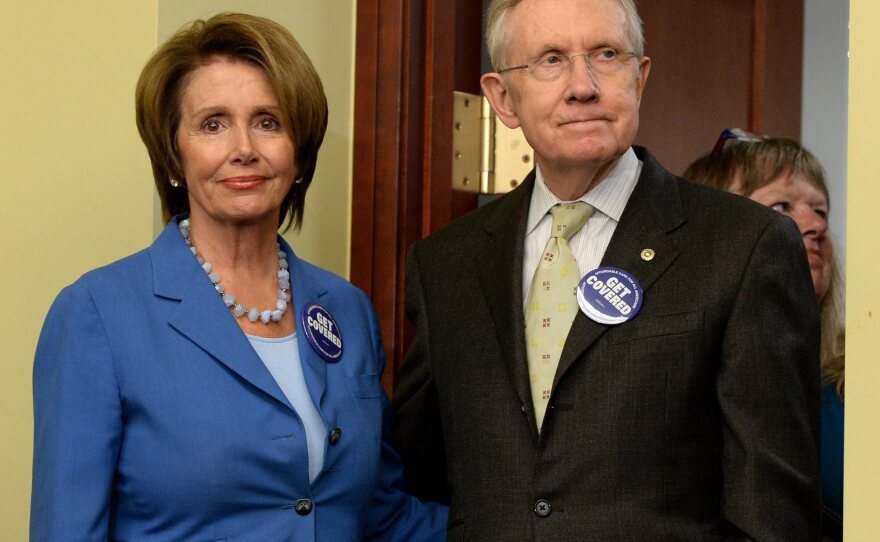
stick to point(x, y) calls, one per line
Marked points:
point(498, 35)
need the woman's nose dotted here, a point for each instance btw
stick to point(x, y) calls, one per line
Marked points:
point(243, 150)
point(811, 223)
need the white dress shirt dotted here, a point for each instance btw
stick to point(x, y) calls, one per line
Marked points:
point(609, 198)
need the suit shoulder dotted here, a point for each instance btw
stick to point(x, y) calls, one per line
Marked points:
point(512, 206)
point(337, 284)
point(721, 207)
point(122, 272)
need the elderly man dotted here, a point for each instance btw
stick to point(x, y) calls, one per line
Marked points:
point(608, 352)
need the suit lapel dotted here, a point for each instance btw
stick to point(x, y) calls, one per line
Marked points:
point(201, 315)
point(308, 287)
point(654, 210)
point(499, 262)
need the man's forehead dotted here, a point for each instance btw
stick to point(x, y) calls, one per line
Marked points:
point(541, 25)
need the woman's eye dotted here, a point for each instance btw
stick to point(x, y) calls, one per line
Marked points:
point(821, 212)
point(269, 124)
point(212, 126)
point(779, 207)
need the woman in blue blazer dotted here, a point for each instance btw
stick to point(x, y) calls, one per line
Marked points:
point(214, 386)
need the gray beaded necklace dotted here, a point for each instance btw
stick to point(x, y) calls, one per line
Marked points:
point(239, 310)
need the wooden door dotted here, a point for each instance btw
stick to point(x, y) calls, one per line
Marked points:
point(719, 64)
point(716, 64)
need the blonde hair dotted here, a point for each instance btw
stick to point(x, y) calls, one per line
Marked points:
point(833, 346)
point(749, 165)
point(248, 38)
point(498, 35)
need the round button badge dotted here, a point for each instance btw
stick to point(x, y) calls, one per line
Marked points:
point(322, 332)
point(609, 295)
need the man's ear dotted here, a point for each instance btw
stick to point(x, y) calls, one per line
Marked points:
point(644, 70)
point(495, 89)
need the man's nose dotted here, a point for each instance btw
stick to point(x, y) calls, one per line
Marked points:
point(582, 82)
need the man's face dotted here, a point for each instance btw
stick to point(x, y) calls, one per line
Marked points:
point(582, 119)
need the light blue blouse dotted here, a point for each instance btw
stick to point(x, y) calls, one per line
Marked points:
point(281, 357)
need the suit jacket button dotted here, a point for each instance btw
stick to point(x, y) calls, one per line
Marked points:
point(335, 435)
point(303, 506)
point(542, 508)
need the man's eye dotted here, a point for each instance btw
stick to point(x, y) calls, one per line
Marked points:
point(552, 60)
point(606, 54)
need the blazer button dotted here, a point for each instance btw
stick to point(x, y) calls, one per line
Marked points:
point(542, 508)
point(335, 435)
point(303, 506)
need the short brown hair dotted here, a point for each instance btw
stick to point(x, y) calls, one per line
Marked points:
point(498, 36)
point(249, 38)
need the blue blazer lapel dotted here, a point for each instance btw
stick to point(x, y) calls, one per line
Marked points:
point(654, 210)
point(307, 286)
point(201, 315)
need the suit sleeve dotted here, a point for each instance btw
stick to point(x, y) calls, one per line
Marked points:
point(418, 430)
point(768, 390)
point(397, 516)
point(77, 423)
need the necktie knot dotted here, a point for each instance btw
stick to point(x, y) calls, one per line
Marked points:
point(568, 218)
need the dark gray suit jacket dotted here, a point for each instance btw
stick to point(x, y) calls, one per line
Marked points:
point(697, 420)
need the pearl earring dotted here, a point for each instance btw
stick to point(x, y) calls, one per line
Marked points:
point(174, 182)
point(299, 180)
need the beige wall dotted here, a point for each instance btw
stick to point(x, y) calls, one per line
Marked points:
point(862, 453)
point(77, 188)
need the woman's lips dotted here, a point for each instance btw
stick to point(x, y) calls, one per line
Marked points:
point(815, 256)
point(243, 183)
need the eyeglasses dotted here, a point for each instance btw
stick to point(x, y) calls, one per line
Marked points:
point(604, 62)
point(733, 134)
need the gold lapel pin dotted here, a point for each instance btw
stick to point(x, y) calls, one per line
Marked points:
point(648, 254)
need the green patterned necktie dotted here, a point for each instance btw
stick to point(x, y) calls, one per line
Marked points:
point(552, 304)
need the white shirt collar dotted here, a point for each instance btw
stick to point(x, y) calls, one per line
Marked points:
point(609, 197)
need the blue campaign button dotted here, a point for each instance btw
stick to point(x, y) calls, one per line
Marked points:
point(322, 332)
point(609, 295)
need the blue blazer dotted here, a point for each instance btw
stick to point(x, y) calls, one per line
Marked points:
point(155, 420)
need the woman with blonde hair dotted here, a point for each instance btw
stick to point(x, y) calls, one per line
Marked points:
point(785, 176)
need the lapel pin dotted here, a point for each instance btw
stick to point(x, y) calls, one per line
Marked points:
point(322, 332)
point(648, 254)
point(609, 295)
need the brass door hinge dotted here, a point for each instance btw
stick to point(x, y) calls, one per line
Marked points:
point(487, 156)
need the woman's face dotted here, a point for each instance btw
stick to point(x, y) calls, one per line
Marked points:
point(795, 196)
point(238, 156)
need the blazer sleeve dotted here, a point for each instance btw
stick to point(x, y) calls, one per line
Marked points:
point(77, 423)
point(397, 516)
point(418, 431)
point(768, 390)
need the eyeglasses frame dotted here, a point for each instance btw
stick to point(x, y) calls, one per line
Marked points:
point(585, 54)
